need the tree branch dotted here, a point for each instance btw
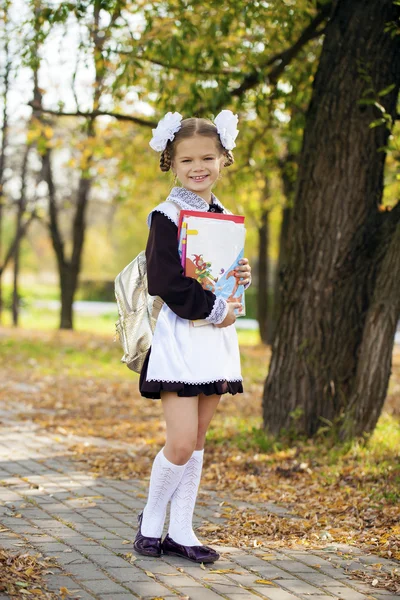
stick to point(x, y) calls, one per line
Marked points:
point(91, 114)
point(310, 32)
point(181, 68)
point(19, 234)
point(54, 229)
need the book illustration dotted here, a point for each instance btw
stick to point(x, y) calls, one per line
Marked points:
point(199, 269)
point(228, 285)
point(236, 285)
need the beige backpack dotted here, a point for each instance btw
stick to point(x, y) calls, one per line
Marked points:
point(138, 312)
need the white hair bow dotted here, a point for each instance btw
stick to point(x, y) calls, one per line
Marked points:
point(226, 123)
point(166, 130)
point(171, 123)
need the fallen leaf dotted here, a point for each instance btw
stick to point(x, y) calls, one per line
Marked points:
point(265, 582)
point(225, 571)
point(150, 574)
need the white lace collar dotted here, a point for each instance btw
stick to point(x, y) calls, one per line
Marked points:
point(190, 200)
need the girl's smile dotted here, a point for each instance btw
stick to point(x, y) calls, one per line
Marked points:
point(199, 177)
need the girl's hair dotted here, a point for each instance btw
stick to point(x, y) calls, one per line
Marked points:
point(189, 128)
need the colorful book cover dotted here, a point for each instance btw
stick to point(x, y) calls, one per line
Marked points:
point(211, 246)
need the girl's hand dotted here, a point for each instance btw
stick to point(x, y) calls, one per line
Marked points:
point(230, 317)
point(243, 272)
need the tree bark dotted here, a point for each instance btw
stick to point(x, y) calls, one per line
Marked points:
point(331, 354)
point(279, 272)
point(68, 285)
point(263, 275)
point(288, 182)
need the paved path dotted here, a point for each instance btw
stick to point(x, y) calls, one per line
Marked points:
point(49, 506)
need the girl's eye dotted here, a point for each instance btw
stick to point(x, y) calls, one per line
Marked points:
point(188, 160)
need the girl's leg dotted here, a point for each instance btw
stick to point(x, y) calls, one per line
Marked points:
point(206, 410)
point(184, 498)
point(181, 417)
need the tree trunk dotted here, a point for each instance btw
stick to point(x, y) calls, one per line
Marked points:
point(263, 274)
point(288, 181)
point(69, 273)
point(279, 272)
point(15, 298)
point(331, 355)
point(19, 232)
point(68, 270)
point(68, 285)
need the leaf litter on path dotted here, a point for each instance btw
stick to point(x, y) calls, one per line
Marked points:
point(352, 499)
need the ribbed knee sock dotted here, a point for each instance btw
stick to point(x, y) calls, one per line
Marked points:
point(164, 479)
point(183, 502)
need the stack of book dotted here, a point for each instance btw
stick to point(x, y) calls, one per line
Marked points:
point(211, 246)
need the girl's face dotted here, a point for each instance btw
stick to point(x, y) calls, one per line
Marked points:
point(197, 164)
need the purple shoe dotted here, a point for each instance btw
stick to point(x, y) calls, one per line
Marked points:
point(149, 546)
point(198, 554)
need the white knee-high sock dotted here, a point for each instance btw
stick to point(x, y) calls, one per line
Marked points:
point(165, 477)
point(183, 502)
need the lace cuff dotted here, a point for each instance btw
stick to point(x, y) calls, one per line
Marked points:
point(219, 311)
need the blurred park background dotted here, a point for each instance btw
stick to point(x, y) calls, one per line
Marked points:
point(316, 172)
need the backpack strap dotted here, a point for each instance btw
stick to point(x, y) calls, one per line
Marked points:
point(169, 209)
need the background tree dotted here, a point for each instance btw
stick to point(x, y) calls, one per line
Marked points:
point(99, 29)
point(21, 205)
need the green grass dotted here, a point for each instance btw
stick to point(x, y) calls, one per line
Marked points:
point(102, 360)
point(33, 291)
point(373, 463)
point(96, 359)
point(47, 320)
point(40, 319)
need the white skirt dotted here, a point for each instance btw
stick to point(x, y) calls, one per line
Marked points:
point(182, 353)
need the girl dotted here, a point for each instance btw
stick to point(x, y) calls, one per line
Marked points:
point(187, 367)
